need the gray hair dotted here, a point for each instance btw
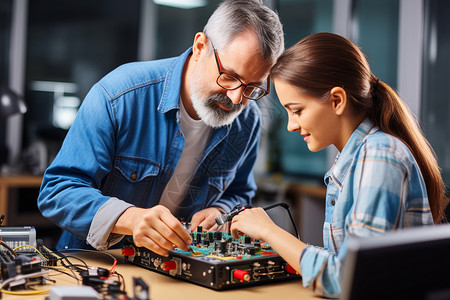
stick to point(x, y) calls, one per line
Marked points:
point(233, 17)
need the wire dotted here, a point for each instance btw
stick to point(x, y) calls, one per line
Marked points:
point(112, 270)
point(65, 273)
point(85, 250)
point(76, 267)
point(69, 265)
point(122, 280)
point(25, 293)
point(66, 263)
point(35, 249)
point(286, 206)
point(7, 247)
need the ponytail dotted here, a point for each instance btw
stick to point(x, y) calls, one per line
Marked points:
point(392, 116)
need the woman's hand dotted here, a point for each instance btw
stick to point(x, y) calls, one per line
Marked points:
point(253, 222)
point(257, 224)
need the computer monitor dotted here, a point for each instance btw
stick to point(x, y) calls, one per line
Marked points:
point(413, 263)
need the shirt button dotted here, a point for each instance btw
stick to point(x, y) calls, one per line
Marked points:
point(333, 202)
point(133, 176)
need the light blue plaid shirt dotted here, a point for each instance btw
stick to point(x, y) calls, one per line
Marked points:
point(374, 186)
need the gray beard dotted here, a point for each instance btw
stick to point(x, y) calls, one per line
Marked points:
point(208, 110)
point(214, 116)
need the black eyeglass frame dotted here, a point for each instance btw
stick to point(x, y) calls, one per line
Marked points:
point(222, 71)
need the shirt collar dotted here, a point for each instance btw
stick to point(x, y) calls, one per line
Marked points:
point(172, 84)
point(344, 159)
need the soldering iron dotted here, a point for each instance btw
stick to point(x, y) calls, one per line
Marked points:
point(226, 217)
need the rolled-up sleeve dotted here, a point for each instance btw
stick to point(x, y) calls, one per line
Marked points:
point(321, 271)
point(100, 236)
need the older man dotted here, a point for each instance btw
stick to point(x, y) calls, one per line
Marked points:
point(170, 138)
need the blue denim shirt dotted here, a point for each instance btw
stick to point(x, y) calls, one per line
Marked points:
point(374, 186)
point(125, 144)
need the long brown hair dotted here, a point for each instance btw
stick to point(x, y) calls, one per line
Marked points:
point(322, 61)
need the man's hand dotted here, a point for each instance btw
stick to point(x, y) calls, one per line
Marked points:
point(205, 218)
point(153, 228)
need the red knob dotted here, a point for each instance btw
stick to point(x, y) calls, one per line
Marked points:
point(241, 275)
point(169, 265)
point(127, 251)
point(290, 269)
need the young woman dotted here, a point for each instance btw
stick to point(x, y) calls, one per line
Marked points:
point(385, 176)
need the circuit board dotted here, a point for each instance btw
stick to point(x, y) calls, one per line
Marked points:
point(218, 261)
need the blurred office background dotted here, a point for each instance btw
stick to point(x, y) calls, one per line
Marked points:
point(52, 53)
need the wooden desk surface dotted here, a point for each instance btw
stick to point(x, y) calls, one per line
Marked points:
point(166, 288)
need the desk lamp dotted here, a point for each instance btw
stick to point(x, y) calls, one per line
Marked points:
point(10, 103)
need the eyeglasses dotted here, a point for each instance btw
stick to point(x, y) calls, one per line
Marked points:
point(229, 82)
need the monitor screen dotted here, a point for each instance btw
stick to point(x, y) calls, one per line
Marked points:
point(409, 264)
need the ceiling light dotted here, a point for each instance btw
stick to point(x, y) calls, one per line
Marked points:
point(185, 4)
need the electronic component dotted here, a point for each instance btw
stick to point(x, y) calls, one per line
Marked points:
point(48, 258)
point(98, 278)
point(22, 258)
point(12, 266)
point(223, 262)
point(20, 270)
point(73, 293)
point(96, 287)
point(18, 236)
